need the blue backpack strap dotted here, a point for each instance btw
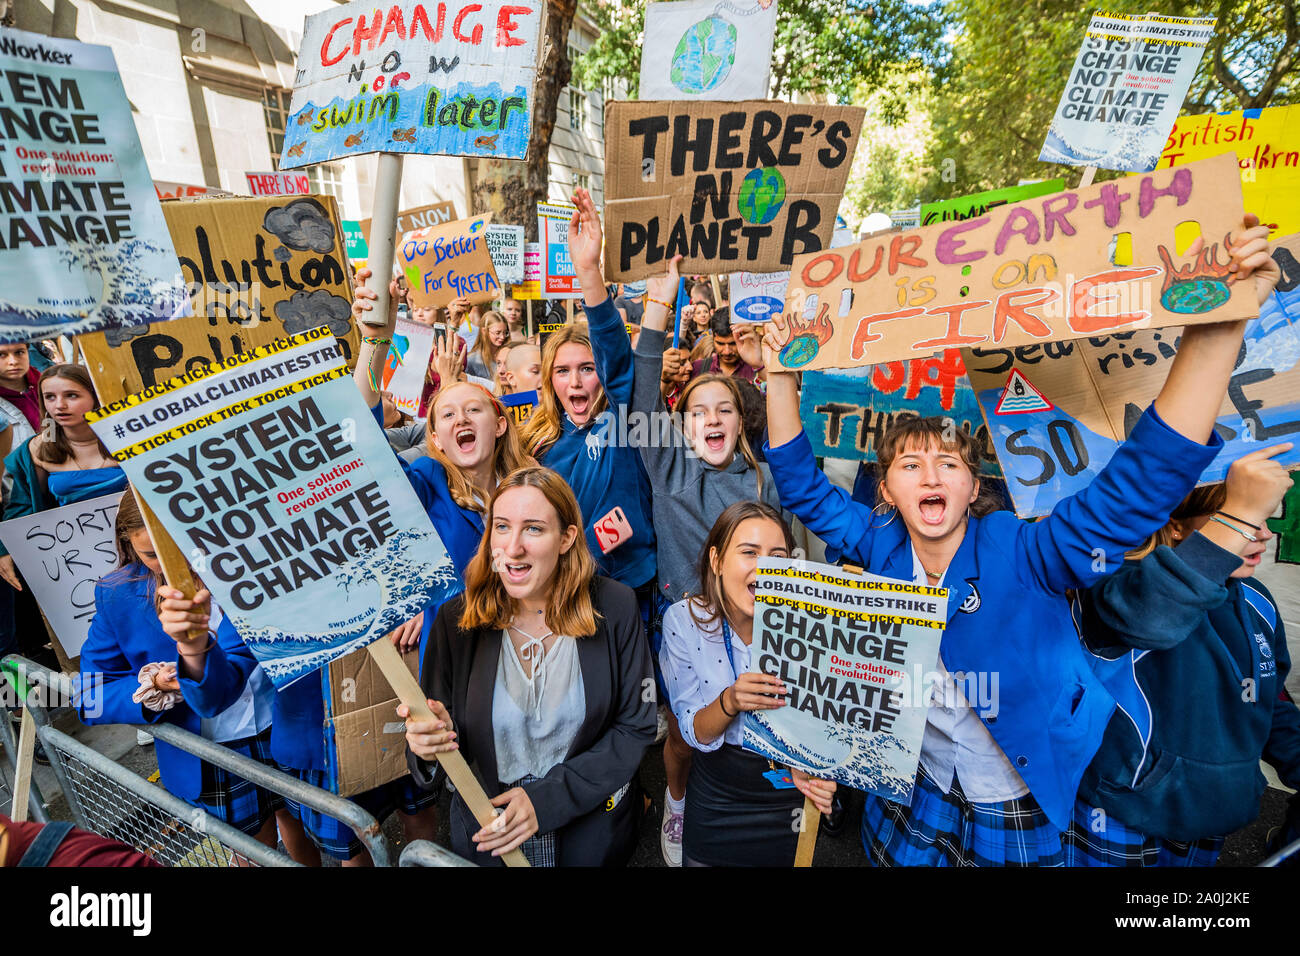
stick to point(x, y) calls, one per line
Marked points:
point(1261, 606)
point(46, 843)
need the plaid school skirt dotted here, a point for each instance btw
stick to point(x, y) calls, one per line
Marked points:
point(941, 829)
point(337, 838)
point(1097, 839)
point(231, 798)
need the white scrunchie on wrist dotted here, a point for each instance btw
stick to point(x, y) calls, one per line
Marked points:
point(150, 694)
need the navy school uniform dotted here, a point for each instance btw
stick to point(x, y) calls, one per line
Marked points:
point(125, 635)
point(1197, 661)
point(1006, 612)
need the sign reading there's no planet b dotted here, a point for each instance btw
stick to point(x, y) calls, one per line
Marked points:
point(276, 482)
point(857, 655)
point(1125, 89)
point(83, 245)
point(728, 186)
point(62, 553)
point(707, 50)
point(431, 77)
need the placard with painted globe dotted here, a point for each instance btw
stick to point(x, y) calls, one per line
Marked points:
point(704, 56)
point(762, 194)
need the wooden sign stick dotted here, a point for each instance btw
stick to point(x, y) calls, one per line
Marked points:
point(808, 824)
point(23, 766)
point(1089, 173)
point(412, 695)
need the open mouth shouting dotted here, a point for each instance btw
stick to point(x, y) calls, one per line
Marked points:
point(932, 508)
point(579, 403)
point(516, 571)
point(715, 440)
point(465, 440)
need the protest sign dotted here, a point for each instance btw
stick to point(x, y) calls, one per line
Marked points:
point(531, 287)
point(414, 78)
point(275, 481)
point(1083, 262)
point(447, 262)
point(506, 247)
point(1057, 412)
point(355, 239)
point(1287, 525)
point(1125, 89)
point(365, 743)
point(278, 184)
point(62, 553)
point(757, 296)
point(1267, 145)
point(420, 217)
point(83, 245)
point(726, 185)
point(846, 412)
point(558, 280)
point(852, 650)
point(977, 204)
point(408, 360)
point(521, 404)
point(166, 190)
point(257, 269)
point(707, 50)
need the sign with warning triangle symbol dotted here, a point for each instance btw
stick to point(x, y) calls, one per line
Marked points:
point(1019, 396)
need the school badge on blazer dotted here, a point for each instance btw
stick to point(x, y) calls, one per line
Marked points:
point(972, 602)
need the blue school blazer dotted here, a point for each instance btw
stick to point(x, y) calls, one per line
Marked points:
point(125, 634)
point(1007, 614)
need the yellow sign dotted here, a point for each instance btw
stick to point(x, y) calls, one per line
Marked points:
point(1267, 144)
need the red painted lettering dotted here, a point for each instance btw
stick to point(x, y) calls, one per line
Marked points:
point(831, 259)
point(395, 23)
point(952, 335)
point(900, 256)
point(1010, 309)
point(421, 19)
point(325, 58)
point(476, 35)
point(1085, 296)
point(507, 25)
point(856, 274)
point(864, 335)
point(368, 33)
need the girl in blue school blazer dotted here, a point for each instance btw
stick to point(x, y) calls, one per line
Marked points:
point(125, 636)
point(1022, 754)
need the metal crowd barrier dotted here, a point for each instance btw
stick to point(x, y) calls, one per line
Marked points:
point(109, 799)
point(425, 853)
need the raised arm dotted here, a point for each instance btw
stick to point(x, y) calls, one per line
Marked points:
point(610, 346)
point(659, 453)
point(376, 334)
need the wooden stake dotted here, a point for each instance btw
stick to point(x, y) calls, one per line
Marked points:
point(23, 767)
point(717, 291)
point(412, 695)
point(1088, 173)
point(811, 820)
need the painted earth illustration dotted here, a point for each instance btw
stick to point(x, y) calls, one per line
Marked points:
point(1195, 296)
point(704, 56)
point(762, 194)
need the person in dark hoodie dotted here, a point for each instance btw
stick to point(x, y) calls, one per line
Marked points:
point(1195, 655)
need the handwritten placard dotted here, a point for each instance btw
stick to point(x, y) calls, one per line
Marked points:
point(449, 262)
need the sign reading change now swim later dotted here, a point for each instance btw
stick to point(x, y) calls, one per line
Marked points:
point(273, 478)
point(728, 186)
point(435, 77)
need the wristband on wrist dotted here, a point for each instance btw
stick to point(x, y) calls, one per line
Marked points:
point(1238, 520)
point(667, 305)
point(1245, 534)
point(206, 647)
point(722, 704)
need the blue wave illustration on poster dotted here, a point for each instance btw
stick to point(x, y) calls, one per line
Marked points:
point(403, 130)
point(1119, 149)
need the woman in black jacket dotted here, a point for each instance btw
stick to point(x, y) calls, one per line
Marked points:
point(540, 675)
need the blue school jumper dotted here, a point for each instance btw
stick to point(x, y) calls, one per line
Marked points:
point(1197, 662)
point(1006, 614)
point(125, 634)
point(600, 465)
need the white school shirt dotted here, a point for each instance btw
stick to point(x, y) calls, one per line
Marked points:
point(956, 742)
point(694, 663)
point(250, 714)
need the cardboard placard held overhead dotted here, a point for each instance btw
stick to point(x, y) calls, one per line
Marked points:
point(455, 79)
point(419, 217)
point(974, 205)
point(1126, 86)
point(846, 412)
point(1066, 406)
point(1107, 258)
point(448, 262)
point(270, 471)
point(1267, 146)
point(166, 190)
point(258, 270)
point(62, 553)
point(706, 50)
point(729, 186)
point(83, 245)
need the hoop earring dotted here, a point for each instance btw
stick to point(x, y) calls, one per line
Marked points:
point(893, 512)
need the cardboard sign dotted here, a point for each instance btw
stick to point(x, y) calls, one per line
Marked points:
point(706, 50)
point(167, 191)
point(408, 361)
point(847, 412)
point(1267, 145)
point(1125, 89)
point(357, 247)
point(420, 217)
point(558, 279)
point(62, 553)
point(506, 247)
point(531, 287)
point(257, 269)
point(726, 185)
point(1074, 264)
point(757, 296)
point(83, 245)
point(977, 204)
point(278, 184)
point(854, 652)
point(270, 474)
point(448, 262)
point(449, 78)
point(1287, 526)
point(365, 742)
point(1092, 391)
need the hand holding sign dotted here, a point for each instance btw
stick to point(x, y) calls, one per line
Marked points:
point(1257, 484)
point(430, 737)
point(820, 792)
point(186, 621)
point(1250, 257)
point(754, 691)
point(363, 301)
point(515, 824)
point(9, 571)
